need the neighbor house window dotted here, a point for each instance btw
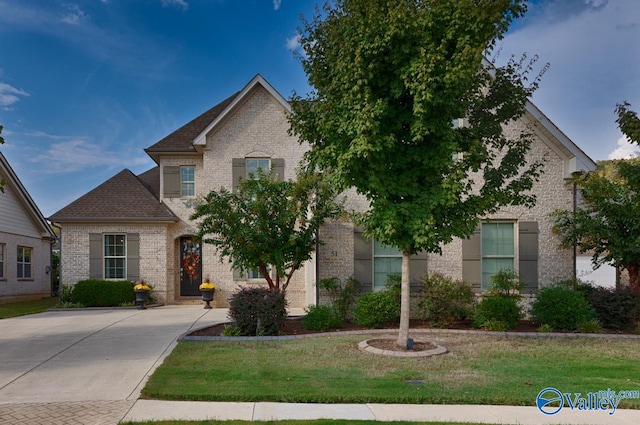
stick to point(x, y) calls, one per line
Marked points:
point(24, 262)
point(115, 256)
point(498, 249)
point(255, 164)
point(187, 181)
point(1, 261)
point(387, 260)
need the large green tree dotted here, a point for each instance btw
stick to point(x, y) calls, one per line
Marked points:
point(267, 223)
point(607, 223)
point(390, 78)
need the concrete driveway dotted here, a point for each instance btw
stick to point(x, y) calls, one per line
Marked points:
point(66, 358)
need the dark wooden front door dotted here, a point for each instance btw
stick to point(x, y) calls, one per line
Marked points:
point(190, 267)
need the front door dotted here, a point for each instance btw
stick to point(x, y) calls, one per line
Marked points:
point(190, 267)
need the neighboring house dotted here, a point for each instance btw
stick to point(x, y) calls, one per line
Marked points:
point(25, 243)
point(138, 227)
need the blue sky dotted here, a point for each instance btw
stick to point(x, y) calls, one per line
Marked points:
point(86, 85)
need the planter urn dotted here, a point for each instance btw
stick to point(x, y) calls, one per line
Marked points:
point(207, 297)
point(142, 297)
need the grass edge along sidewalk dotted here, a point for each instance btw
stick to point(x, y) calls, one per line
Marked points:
point(479, 369)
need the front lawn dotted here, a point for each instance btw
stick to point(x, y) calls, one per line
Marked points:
point(479, 369)
point(26, 307)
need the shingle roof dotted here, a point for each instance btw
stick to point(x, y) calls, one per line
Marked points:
point(182, 138)
point(123, 198)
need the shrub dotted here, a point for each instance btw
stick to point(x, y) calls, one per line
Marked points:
point(616, 308)
point(103, 293)
point(589, 327)
point(560, 308)
point(505, 283)
point(497, 313)
point(378, 309)
point(342, 295)
point(321, 318)
point(443, 300)
point(258, 311)
point(545, 328)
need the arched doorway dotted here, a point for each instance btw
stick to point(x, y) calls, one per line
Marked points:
point(190, 266)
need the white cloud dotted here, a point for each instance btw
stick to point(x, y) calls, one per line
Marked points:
point(74, 16)
point(593, 61)
point(294, 42)
point(276, 4)
point(179, 3)
point(625, 149)
point(77, 154)
point(10, 95)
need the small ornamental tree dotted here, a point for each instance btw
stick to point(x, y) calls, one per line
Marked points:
point(392, 80)
point(607, 223)
point(267, 223)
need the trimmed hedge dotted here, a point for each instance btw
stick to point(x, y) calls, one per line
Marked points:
point(561, 308)
point(103, 293)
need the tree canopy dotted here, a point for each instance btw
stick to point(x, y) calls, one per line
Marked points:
point(392, 82)
point(607, 223)
point(267, 223)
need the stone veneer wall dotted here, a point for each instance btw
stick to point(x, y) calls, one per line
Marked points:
point(256, 128)
point(552, 192)
point(75, 245)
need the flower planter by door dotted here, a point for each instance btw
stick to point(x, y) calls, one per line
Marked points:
point(207, 297)
point(141, 298)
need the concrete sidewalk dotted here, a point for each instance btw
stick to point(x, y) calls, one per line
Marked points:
point(146, 410)
point(89, 366)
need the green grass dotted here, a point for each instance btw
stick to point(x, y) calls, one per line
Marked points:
point(479, 369)
point(26, 307)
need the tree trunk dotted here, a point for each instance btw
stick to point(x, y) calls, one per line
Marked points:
point(634, 275)
point(405, 308)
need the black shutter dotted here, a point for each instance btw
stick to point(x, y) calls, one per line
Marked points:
point(171, 180)
point(238, 171)
point(277, 165)
point(528, 255)
point(95, 256)
point(133, 257)
point(362, 259)
point(471, 260)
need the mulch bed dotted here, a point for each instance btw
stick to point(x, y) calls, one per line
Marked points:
point(293, 326)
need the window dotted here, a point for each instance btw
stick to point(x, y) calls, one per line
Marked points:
point(24, 262)
point(253, 274)
point(187, 181)
point(498, 249)
point(386, 260)
point(1, 261)
point(255, 164)
point(115, 256)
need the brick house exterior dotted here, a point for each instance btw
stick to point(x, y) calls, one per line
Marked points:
point(25, 243)
point(138, 227)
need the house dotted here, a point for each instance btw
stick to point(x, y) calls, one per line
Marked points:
point(138, 227)
point(26, 239)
